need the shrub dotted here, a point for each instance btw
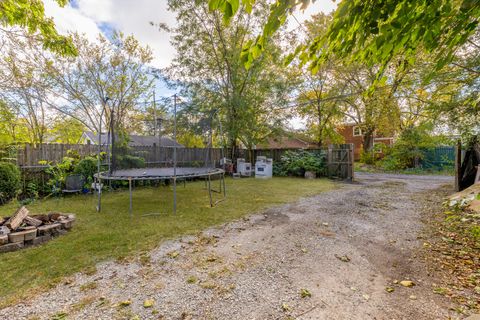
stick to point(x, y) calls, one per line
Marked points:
point(9, 181)
point(59, 173)
point(297, 163)
point(87, 167)
point(367, 157)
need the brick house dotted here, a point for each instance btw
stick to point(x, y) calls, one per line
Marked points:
point(352, 133)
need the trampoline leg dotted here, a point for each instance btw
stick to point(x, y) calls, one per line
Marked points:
point(223, 182)
point(174, 194)
point(210, 192)
point(130, 190)
point(97, 185)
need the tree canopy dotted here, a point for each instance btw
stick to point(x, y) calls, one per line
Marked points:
point(372, 32)
point(30, 16)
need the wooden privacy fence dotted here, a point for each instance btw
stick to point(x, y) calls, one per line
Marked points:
point(162, 156)
point(339, 158)
point(31, 156)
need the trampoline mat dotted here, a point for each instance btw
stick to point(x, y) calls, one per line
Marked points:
point(159, 173)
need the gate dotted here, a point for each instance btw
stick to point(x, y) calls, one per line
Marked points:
point(340, 161)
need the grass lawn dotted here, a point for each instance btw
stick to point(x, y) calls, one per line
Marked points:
point(111, 234)
point(361, 167)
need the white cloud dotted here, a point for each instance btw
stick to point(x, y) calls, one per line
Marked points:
point(70, 19)
point(325, 6)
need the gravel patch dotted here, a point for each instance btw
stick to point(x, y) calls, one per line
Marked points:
point(330, 256)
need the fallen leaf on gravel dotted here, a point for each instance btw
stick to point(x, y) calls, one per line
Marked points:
point(305, 293)
point(125, 303)
point(304, 250)
point(60, 316)
point(325, 224)
point(441, 291)
point(366, 296)
point(413, 297)
point(407, 283)
point(285, 307)
point(343, 258)
point(173, 254)
point(389, 289)
point(148, 303)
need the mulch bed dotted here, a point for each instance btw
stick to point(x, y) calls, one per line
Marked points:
point(452, 253)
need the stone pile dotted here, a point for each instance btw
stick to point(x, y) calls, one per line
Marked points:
point(21, 229)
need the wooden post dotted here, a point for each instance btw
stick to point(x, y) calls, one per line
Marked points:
point(27, 155)
point(352, 160)
point(329, 160)
point(458, 165)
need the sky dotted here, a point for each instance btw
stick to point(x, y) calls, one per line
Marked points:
point(92, 17)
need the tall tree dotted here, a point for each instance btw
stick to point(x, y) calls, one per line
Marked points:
point(66, 130)
point(25, 86)
point(209, 67)
point(115, 69)
point(316, 101)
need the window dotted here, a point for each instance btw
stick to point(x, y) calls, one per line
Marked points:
point(357, 131)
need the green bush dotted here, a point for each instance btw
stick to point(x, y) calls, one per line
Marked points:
point(59, 173)
point(411, 148)
point(9, 181)
point(297, 163)
point(87, 167)
point(367, 157)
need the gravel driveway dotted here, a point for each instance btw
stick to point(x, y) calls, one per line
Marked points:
point(331, 256)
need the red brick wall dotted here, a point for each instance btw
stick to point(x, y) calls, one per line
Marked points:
point(347, 133)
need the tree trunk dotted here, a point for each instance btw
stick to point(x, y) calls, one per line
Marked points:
point(368, 140)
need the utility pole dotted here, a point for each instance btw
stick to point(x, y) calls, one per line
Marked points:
point(98, 182)
point(154, 115)
point(175, 153)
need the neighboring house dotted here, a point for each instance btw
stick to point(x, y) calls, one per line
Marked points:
point(285, 142)
point(352, 133)
point(89, 137)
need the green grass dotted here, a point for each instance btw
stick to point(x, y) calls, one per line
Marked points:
point(111, 234)
point(361, 167)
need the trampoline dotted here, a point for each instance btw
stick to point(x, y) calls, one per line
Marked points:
point(174, 174)
point(171, 172)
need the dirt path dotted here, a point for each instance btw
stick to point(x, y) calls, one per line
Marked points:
point(257, 268)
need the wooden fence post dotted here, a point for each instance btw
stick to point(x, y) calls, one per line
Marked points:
point(27, 155)
point(329, 160)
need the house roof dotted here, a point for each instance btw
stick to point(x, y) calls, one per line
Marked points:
point(135, 140)
point(284, 143)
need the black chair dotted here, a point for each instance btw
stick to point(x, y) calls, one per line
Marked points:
point(74, 183)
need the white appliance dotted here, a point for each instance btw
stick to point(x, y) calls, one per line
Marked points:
point(244, 168)
point(225, 161)
point(263, 167)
